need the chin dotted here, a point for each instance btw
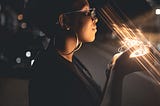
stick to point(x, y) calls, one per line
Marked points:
point(91, 40)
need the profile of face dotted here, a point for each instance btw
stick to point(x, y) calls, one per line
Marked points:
point(86, 27)
point(83, 22)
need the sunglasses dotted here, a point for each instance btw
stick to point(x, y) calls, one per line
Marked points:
point(91, 12)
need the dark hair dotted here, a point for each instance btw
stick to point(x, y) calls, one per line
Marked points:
point(44, 13)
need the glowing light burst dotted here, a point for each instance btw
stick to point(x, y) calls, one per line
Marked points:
point(139, 48)
point(139, 52)
point(132, 37)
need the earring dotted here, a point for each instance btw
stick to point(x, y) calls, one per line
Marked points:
point(68, 28)
point(78, 44)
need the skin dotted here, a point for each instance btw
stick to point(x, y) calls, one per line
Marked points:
point(85, 28)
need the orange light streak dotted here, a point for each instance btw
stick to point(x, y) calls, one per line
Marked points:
point(130, 36)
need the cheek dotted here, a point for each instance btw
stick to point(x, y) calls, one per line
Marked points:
point(86, 32)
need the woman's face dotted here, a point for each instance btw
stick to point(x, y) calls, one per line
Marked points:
point(85, 26)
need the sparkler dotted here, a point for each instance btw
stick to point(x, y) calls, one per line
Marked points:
point(132, 37)
point(140, 48)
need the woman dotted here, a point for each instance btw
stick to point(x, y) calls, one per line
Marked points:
point(69, 23)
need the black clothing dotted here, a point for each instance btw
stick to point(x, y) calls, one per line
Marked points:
point(58, 83)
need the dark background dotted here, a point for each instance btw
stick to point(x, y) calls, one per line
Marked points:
point(17, 37)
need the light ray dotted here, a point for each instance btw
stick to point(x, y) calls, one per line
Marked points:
point(132, 37)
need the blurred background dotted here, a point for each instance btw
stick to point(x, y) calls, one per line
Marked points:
point(20, 43)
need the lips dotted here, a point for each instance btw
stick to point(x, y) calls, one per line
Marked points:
point(94, 28)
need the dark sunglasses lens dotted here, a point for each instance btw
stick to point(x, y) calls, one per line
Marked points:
point(93, 14)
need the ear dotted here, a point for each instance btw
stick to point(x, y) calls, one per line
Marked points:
point(63, 21)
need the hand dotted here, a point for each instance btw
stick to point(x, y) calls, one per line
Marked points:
point(125, 64)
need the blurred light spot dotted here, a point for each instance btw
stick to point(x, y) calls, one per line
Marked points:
point(41, 34)
point(28, 54)
point(157, 11)
point(2, 19)
point(18, 60)
point(24, 25)
point(20, 17)
point(32, 61)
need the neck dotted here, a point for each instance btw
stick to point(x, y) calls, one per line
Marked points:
point(69, 47)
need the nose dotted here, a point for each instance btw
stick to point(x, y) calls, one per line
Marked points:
point(95, 20)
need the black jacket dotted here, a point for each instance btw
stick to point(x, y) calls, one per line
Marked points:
point(58, 83)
